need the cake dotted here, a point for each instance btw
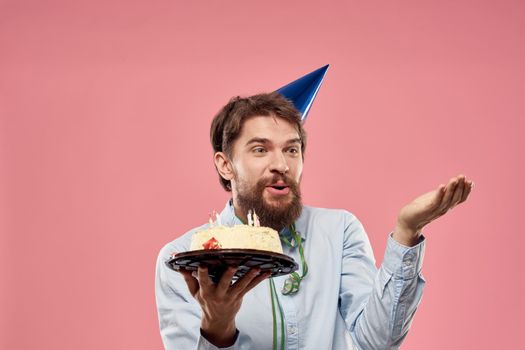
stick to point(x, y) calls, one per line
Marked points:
point(237, 237)
point(251, 236)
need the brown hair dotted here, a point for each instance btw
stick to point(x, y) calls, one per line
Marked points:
point(227, 123)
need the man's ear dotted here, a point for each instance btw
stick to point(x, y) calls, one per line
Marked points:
point(223, 165)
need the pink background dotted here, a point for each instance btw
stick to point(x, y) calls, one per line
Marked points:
point(105, 109)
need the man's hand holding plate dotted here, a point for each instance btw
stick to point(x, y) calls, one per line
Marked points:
point(220, 302)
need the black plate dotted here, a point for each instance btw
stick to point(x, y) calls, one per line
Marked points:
point(218, 261)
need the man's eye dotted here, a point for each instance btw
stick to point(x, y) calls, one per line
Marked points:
point(259, 150)
point(293, 150)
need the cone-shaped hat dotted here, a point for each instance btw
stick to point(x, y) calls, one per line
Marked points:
point(302, 91)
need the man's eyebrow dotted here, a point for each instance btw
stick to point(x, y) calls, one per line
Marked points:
point(257, 140)
point(264, 140)
point(297, 140)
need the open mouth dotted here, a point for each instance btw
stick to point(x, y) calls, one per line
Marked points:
point(278, 190)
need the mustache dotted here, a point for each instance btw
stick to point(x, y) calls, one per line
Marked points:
point(278, 177)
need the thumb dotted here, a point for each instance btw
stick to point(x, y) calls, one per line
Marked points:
point(438, 196)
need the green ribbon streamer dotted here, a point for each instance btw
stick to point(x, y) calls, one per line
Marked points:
point(275, 301)
point(292, 283)
point(273, 316)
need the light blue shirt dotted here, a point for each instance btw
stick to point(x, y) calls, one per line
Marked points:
point(344, 302)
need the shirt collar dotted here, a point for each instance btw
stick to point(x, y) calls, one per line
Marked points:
point(229, 218)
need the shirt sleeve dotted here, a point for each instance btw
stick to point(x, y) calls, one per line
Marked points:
point(179, 313)
point(378, 305)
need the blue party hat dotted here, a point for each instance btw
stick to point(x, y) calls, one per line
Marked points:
point(302, 91)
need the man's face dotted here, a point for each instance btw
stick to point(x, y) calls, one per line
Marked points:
point(267, 165)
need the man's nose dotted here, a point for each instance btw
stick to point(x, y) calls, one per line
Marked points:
point(279, 163)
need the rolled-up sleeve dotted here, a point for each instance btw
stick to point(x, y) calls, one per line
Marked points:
point(378, 305)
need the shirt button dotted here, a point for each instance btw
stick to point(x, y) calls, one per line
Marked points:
point(292, 330)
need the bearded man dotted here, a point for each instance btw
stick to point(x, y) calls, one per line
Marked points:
point(344, 301)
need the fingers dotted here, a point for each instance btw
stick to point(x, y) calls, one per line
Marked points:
point(449, 191)
point(193, 284)
point(238, 289)
point(256, 281)
point(239, 286)
point(466, 191)
point(226, 280)
point(205, 281)
point(458, 192)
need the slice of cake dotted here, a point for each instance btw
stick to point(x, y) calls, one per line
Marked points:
point(251, 236)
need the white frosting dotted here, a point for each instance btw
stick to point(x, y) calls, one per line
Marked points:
point(239, 237)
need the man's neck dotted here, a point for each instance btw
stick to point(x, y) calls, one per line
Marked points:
point(238, 212)
point(240, 215)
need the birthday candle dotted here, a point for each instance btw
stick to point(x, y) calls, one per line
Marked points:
point(250, 222)
point(218, 219)
point(256, 219)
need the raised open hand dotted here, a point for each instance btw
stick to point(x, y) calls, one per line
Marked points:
point(428, 207)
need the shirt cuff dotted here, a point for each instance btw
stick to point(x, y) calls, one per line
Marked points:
point(402, 261)
point(204, 344)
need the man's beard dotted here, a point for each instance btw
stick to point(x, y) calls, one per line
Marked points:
point(278, 215)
